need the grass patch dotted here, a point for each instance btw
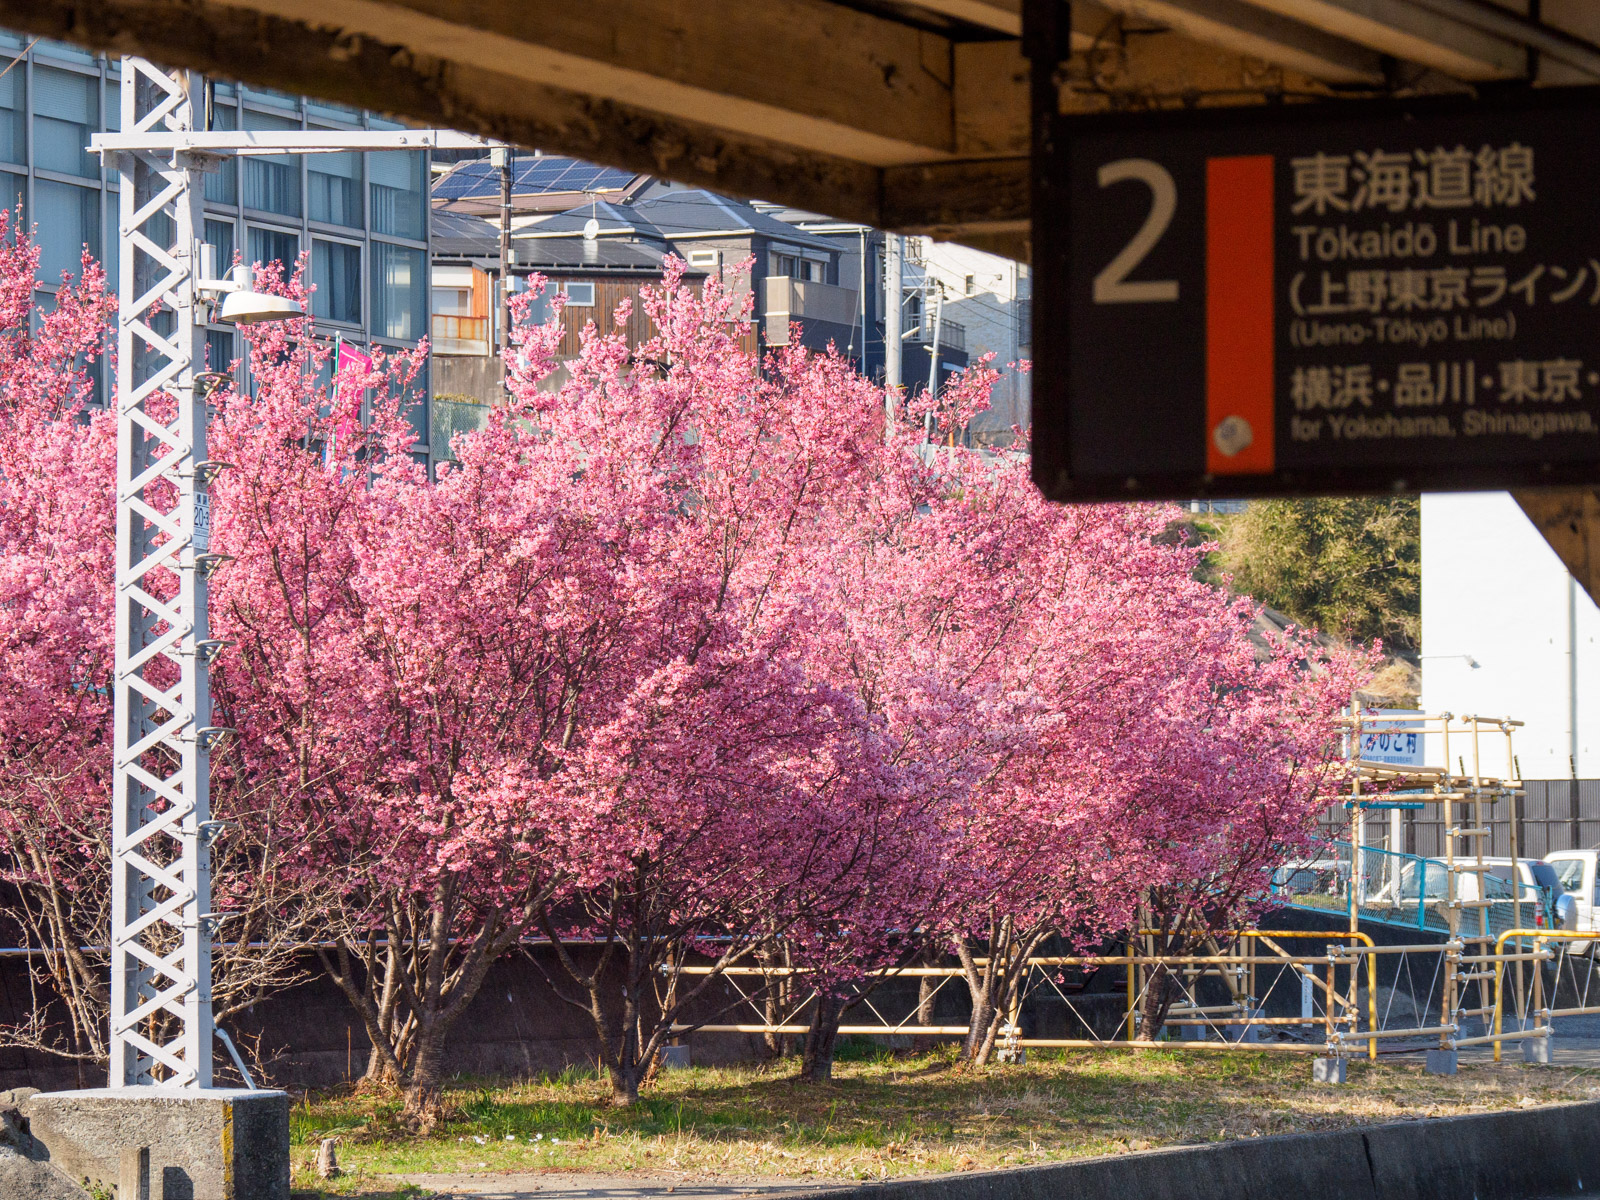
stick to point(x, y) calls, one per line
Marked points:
point(887, 1115)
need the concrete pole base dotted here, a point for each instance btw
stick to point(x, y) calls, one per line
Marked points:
point(1538, 1050)
point(1441, 1062)
point(1194, 1033)
point(1328, 1070)
point(674, 1058)
point(212, 1144)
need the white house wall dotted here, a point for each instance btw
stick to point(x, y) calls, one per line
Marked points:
point(993, 318)
point(1495, 593)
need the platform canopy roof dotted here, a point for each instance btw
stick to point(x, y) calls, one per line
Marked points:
point(912, 116)
point(905, 114)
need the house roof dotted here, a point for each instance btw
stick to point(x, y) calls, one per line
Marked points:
point(460, 235)
point(671, 215)
point(463, 236)
point(695, 212)
point(577, 254)
point(615, 220)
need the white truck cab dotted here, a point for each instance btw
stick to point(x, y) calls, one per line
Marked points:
point(1576, 871)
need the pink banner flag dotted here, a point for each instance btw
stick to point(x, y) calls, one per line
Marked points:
point(347, 361)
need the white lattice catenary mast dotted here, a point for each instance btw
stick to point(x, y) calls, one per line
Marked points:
point(162, 925)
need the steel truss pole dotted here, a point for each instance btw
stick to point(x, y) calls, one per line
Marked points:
point(161, 926)
point(161, 1026)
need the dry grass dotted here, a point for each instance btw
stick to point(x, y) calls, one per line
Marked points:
point(893, 1115)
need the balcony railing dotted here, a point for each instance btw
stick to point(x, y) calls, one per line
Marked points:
point(790, 299)
point(460, 335)
point(952, 335)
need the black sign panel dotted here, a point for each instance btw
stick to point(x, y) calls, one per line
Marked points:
point(1319, 299)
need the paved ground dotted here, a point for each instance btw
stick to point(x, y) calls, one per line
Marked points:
point(563, 1186)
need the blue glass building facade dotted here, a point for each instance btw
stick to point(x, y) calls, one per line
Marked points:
point(361, 218)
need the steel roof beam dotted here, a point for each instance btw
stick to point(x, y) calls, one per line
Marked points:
point(1411, 32)
point(1244, 29)
point(1554, 43)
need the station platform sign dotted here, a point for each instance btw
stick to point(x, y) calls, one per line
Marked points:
point(1307, 299)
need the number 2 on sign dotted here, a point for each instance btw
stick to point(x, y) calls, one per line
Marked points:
point(1111, 286)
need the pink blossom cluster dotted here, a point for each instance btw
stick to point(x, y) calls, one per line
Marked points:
point(682, 651)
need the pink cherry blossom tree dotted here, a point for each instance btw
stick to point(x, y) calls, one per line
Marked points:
point(409, 655)
point(746, 803)
point(1022, 657)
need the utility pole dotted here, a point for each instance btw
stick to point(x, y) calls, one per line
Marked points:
point(500, 157)
point(933, 360)
point(162, 926)
point(160, 814)
point(893, 299)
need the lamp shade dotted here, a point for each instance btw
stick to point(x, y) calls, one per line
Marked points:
point(251, 308)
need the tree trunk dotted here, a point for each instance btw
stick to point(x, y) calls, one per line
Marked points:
point(424, 1099)
point(378, 1070)
point(927, 987)
point(625, 1079)
point(978, 1039)
point(822, 1038)
point(1158, 998)
point(778, 1000)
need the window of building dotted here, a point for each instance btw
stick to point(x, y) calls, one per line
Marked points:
point(579, 295)
point(399, 194)
point(414, 405)
point(271, 96)
point(13, 112)
point(708, 260)
point(13, 187)
point(336, 272)
point(219, 350)
point(222, 186)
point(71, 220)
point(272, 183)
point(112, 261)
point(269, 245)
point(796, 267)
point(111, 110)
point(333, 187)
point(538, 311)
point(221, 234)
point(970, 285)
point(399, 293)
point(339, 112)
point(49, 48)
point(66, 110)
point(453, 301)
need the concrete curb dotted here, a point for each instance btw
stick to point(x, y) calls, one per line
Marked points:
point(1527, 1154)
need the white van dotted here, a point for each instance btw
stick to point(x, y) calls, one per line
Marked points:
point(1432, 873)
point(1576, 871)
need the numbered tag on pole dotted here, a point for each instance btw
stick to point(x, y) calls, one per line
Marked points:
point(202, 521)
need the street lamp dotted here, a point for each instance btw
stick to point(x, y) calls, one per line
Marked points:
point(242, 305)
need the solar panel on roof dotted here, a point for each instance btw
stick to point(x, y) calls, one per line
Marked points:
point(543, 173)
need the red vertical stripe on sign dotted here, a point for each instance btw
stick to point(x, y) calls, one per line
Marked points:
point(1239, 306)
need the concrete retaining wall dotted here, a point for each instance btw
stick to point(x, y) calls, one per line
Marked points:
point(1525, 1155)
